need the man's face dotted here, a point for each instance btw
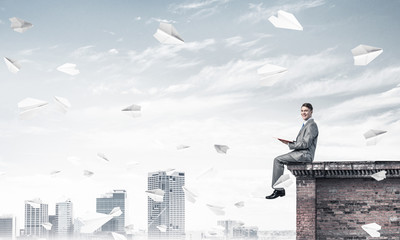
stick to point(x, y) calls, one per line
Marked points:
point(306, 113)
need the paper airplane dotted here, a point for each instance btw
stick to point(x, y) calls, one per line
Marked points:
point(20, 25)
point(34, 203)
point(87, 173)
point(115, 212)
point(167, 34)
point(239, 204)
point(180, 147)
point(2, 173)
point(364, 54)
point(217, 210)
point(190, 196)
point(162, 228)
point(283, 181)
point(118, 236)
point(373, 133)
point(12, 65)
point(102, 156)
point(63, 103)
point(156, 194)
point(285, 20)
point(379, 176)
point(372, 229)
point(133, 110)
point(55, 172)
point(211, 172)
point(271, 74)
point(221, 148)
point(47, 225)
point(30, 106)
point(93, 221)
point(68, 68)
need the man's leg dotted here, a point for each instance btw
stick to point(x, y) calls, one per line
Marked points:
point(279, 167)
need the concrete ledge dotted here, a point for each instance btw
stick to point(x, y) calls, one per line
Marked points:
point(353, 169)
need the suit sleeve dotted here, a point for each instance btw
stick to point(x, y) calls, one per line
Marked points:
point(310, 134)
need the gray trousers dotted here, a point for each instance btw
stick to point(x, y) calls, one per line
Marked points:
point(279, 163)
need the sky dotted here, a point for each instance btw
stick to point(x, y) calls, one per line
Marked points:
point(203, 92)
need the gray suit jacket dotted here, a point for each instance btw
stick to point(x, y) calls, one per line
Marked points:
point(306, 142)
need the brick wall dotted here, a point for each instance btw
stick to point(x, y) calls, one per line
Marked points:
point(334, 199)
point(344, 205)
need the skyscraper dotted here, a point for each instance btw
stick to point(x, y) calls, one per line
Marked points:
point(36, 213)
point(64, 219)
point(166, 219)
point(106, 203)
point(7, 227)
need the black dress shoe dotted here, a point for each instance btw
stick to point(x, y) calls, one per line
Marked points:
point(276, 193)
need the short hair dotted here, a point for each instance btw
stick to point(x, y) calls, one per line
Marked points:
point(307, 105)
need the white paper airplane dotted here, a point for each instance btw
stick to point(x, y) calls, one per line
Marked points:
point(239, 204)
point(115, 212)
point(217, 210)
point(87, 173)
point(364, 54)
point(379, 176)
point(54, 172)
point(47, 225)
point(285, 20)
point(93, 221)
point(190, 196)
point(221, 148)
point(211, 172)
point(162, 228)
point(167, 34)
point(34, 203)
point(133, 110)
point(118, 236)
point(20, 25)
point(30, 106)
point(102, 156)
point(69, 68)
point(283, 181)
point(12, 65)
point(271, 74)
point(156, 194)
point(180, 147)
point(372, 229)
point(63, 103)
point(373, 133)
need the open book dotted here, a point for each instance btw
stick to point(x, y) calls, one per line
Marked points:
point(284, 140)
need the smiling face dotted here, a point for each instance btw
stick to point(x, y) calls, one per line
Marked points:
point(306, 113)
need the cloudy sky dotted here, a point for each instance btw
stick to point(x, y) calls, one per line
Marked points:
point(204, 92)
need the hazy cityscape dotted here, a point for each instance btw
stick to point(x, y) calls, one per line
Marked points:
point(166, 217)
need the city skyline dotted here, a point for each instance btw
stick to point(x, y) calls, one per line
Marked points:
point(204, 92)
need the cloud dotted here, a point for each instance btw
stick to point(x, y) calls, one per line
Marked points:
point(343, 84)
point(89, 54)
point(153, 19)
point(28, 52)
point(258, 13)
point(202, 9)
point(365, 105)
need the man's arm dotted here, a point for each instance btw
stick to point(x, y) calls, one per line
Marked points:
point(310, 134)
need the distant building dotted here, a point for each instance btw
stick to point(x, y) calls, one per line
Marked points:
point(36, 213)
point(166, 219)
point(64, 219)
point(53, 221)
point(106, 204)
point(7, 227)
point(235, 230)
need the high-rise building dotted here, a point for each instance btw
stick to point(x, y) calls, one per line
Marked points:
point(7, 227)
point(36, 213)
point(64, 219)
point(106, 204)
point(166, 219)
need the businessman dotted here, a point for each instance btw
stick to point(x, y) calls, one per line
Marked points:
point(303, 148)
